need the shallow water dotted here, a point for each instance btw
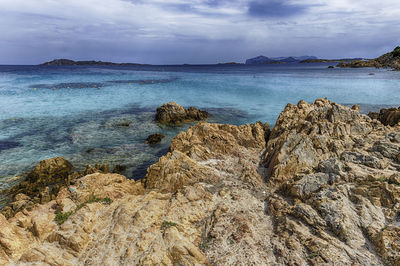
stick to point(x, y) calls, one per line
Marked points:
point(76, 112)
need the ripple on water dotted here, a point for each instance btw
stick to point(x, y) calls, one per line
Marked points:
point(85, 85)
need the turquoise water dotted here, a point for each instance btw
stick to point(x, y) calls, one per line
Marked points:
point(75, 111)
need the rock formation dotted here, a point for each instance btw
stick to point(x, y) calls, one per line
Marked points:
point(45, 181)
point(41, 184)
point(389, 60)
point(321, 188)
point(388, 117)
point(173, 114)
point(154, 138)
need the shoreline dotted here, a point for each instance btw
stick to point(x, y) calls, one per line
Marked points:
point(311, 186)
point(142, 168)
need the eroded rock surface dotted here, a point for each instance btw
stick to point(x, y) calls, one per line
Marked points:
point(322, 188)
point(173, 114)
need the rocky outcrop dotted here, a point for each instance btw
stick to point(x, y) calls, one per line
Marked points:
point(154, 138)
point(321, 188)
point(333, 171)
point(223, 151)
point(44, 182)
point(388, 60)
point(40, 185)
point(50, 171)
point(388, 117)
point(173, 114)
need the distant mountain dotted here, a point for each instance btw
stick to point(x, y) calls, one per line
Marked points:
point(330, 60)
point(277, 60)
point(67, 62)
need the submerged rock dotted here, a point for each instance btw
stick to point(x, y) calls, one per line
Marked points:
point(154, 138)
point(173, 114)
point(7, 144)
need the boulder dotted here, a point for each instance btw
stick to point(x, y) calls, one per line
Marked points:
point(41, 184)
point(173, 114)
point(98, 168)
point(374, 115)
point(118, 169)
point(389, 117)
point(154, 138)
point(50, 171)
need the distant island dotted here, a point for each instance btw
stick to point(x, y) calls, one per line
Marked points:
point(277, 60)
point(330, 60)
point(68, 62)
point(230, 63)
point(388, 60)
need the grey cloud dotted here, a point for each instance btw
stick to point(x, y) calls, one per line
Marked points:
point(274, 8)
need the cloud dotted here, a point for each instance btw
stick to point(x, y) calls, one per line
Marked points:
point(275, 8)
point(197, 31)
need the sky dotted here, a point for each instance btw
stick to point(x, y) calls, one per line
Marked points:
point(196, 31)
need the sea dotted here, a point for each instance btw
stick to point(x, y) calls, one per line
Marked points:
point(103, 114)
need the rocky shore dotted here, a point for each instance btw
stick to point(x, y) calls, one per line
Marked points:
point(321, 187)
point(388, 60)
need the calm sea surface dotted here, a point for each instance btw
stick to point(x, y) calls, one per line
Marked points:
point(76, 112)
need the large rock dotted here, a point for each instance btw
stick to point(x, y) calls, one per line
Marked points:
point(388, 117)
point(218, 144)
point(173, 114)
point(306, 134)
point(334, 170)
point(50, 173)
point(154, 138)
